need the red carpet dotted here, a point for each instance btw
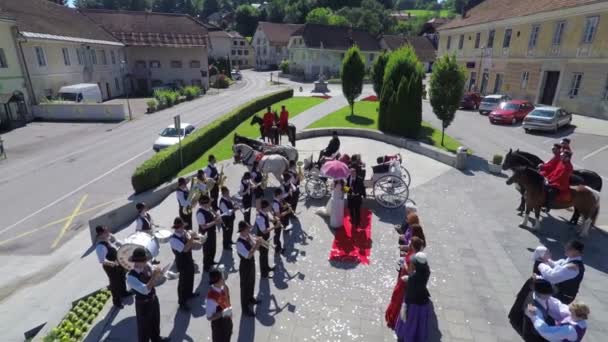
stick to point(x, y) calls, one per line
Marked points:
point(353, 245)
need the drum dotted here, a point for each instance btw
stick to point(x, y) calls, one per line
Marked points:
point(162, 235)
point(138, 239)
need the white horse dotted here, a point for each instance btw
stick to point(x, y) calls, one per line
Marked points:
point(271, 163)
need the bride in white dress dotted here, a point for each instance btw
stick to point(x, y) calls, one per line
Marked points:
point(335, 207)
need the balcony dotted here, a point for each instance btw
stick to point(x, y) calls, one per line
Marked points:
point(555, 51)
point(583, 51)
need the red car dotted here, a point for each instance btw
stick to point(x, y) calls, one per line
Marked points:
point(510, 112)
point(470, 101)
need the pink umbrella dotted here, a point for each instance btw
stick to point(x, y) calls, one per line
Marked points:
point(335, 169)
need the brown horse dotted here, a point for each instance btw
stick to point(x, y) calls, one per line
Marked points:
point(582, 198)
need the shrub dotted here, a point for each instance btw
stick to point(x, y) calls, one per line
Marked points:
point(377, 72)
point(221, 82)
point(497, 159)
point(191, 92)
point(284, 66)
point(151, 105)
point(166, 164)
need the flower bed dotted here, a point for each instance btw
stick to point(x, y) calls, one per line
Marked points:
point(76, 323)
point(372, 98)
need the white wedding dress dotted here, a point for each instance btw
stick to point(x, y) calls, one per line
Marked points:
point(335, 207)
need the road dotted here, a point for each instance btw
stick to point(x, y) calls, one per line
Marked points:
point(58, 175)
point(475, 132)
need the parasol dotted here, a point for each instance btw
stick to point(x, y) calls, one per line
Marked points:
point(335, 169)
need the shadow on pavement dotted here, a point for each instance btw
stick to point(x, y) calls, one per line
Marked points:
point(434, 332)
point(102, 326)
point(126, 327)
point(246, 329)
point(263, 310)
point(181, 321)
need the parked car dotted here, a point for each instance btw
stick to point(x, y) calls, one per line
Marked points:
point(491, 102)
point(170, 136)
point(236, 75)
point(82, 92)
point(510, 112)
point(546, 118)
point(470, 101)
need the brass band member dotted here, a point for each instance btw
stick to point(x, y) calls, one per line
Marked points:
point(211, 172)
point(246, 245)
point(142, 279)
point(263, 228)
point(106, 249)
point(144, 222)
point(202, 182)
point(295, 180)
point(182, 193)
point(246, 192)
point(280, 213)
point(227, 209)
point(181, 243)
point(218, 307)
point(207, 220)
point(258, 191)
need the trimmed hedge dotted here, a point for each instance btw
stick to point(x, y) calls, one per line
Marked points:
point(165, 164)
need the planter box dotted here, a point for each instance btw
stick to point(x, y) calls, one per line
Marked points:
point(494, 168)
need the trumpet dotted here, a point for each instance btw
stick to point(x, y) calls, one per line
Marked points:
point(263, 243)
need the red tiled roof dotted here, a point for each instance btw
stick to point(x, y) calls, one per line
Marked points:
point(422, 46)
point(151, 28)
point(278, 34)
point(337, 37)
point(493, 10)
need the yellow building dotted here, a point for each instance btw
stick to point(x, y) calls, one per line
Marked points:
point(545, 51)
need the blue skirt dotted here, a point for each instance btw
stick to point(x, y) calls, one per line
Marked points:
point(416, 327)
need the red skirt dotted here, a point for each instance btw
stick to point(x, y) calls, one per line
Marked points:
point(392, 311)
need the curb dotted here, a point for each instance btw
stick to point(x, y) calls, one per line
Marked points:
point(412, 145)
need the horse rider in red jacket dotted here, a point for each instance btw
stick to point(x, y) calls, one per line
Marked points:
point(548, 167)
point(565, 144)
point(283, 119)
point(559, 180)
point(268, 121)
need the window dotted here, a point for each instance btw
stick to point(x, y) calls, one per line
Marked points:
point(176, 64)
point(590, 28)
point(507, 41)
point(498, 83)
point(558, 33)
point(605, 94)
point(491, 38)
point(93, 56)
point(477, 39)
point(113, 56)
point(242, 43)
point(3, 63)
point(66, 56)
point(246, 52)
point(40, 56)
point(371, 57)
point(240, 53)
point(234, 52)
point(195, 64)
point(154, 64)
point(80, 56)
point(460, 42)
point(197, 83)
point(116, 83)
point(524, 79)
point(533, 36)
point(449, 43)
point(140, 64)
point(472, 80)
point(104, 58)
point(575, 85)
point(235, 43)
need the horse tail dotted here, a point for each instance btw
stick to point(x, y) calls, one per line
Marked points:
point(596, 210)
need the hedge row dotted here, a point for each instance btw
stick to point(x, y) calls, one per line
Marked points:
point(165, 165)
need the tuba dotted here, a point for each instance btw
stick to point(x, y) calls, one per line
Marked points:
point(193, 196)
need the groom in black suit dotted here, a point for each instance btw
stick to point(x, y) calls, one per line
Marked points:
point(356, 192)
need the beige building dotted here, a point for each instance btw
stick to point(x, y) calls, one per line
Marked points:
point(423, 47)
point(545, 51)
point(233, 46)
point(270, 43)
point(161, 48)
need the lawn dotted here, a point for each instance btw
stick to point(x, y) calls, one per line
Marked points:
point(223, 149)
point(419, 12)
point(366, 116)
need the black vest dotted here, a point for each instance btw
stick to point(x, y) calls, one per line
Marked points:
point(287, 187)
point(279, 203)
point(295, 177)
point(144, 279)
point(535, 267)
point(213, 171)
point(228, 205)
point(247, 245)
point(111, 256)
point(186, 194)
point(208, 218)
point(257, 176)
point(258, 232)
point(146, 226)
point(245, 183)
point(569, 288)
point(182, 258)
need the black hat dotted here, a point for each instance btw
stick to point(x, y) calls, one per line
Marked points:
point(566, 140)
point(557, 146)
point(247, 175)
point(576, 245)
point(204, 199)
point(100, 230)
point(243, 225)
point(140, 206)
point(543, 287)
point(181, 181)
point(214, 276)
point(178, 223)
point(139, 255)
point(567, 153)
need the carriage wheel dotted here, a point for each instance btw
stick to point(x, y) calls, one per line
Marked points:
point(405, 174)
point(315, 188)
point(391, 191)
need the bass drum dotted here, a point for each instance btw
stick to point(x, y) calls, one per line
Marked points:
point(138, 239)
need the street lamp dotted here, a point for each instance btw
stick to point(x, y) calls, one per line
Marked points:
point(123, 68)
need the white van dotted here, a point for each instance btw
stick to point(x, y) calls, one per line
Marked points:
point(83, 92)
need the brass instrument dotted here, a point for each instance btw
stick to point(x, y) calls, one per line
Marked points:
point(300, 171)
point(193, 196)
point(264, 180)
point(198, 240)
point(222, 177)
point(263, 243)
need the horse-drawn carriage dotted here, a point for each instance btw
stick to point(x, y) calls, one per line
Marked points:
point(389, 182)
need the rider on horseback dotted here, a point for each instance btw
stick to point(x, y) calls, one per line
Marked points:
point(558, 181)
point(284, 120)
point(268, 121)
point(548, 167)
point(565, 144)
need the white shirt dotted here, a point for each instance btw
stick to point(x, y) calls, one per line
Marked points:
point(208, 172)
point(276, 208)
point(202, 187)
point(102, 251)
point(200, 218)
point(261, 223)
point(139, 224)
point(224, 209)
point(210, 304)
point(176, 244)
point(560, 271)
point(182, 199)
point(557, 333)
point(242, 250)
point(556, 309)
point(137, 285)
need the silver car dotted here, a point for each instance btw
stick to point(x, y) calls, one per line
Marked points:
point(545, 118)
point(491, 102)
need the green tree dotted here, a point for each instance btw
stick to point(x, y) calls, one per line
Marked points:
point(319, 15)
point(210, 7)
point(446, 90)
point(296, 11)
point(378, 72)
point(352, 73)
point(246, 20)
point(338, 20)
point(400, 109)
point(275, 11)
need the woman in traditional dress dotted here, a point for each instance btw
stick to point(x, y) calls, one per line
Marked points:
point(392, 311)
point(413, 322)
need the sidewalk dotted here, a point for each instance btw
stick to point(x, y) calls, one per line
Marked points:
point(589, 125)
